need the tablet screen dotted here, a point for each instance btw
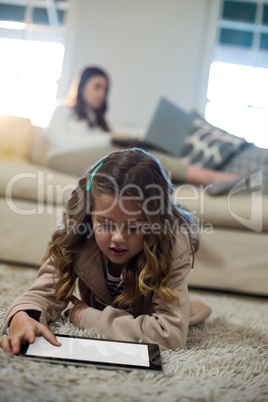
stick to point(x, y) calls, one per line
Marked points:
point(95, 351)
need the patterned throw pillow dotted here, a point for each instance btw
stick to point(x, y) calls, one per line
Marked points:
point(209, 146)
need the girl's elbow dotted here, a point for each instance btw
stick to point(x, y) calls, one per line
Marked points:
point(174, 340)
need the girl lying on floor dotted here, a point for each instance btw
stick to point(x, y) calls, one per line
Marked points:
point(129, 248)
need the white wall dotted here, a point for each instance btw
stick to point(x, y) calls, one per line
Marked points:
point(150, 48)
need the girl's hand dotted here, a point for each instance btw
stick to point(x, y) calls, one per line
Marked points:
point(25, 329)
point(75, 313)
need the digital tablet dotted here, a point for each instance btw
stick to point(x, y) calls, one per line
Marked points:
point(98, 352)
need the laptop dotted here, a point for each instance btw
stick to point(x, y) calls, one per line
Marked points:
point(167, 130)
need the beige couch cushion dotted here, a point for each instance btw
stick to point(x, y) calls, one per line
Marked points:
point(232, 260)
point(243, 210)
point(76, 162)
point(25, 230)
point(33, 182)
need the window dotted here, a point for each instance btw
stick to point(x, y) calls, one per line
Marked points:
point(32, 49)
point(238, 79)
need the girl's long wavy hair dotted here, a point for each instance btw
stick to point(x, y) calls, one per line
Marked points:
point(137, 175)
point(80, 107)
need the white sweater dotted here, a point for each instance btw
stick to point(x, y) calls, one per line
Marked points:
point(66, 133)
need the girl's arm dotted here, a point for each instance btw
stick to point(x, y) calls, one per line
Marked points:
point(166, 325)
point(25, 329)
point(40, 297)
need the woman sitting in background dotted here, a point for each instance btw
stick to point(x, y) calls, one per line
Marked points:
point(79, 135)
point(82, 125)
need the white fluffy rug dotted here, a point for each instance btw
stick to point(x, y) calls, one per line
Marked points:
point(225, 359)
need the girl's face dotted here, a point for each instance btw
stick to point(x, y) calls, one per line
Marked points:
point(94, 91)
point(118, 228)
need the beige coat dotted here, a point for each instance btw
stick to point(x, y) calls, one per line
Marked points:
point(151, 320)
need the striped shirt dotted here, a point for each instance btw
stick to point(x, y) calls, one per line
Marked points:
point(115, 284)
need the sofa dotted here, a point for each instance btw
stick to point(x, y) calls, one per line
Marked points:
point(233, 228)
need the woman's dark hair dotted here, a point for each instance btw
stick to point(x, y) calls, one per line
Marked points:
point(80, 106)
